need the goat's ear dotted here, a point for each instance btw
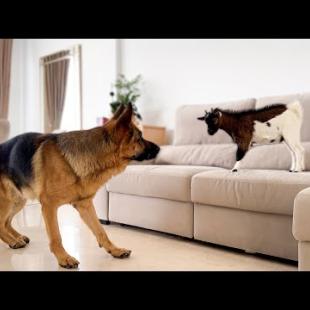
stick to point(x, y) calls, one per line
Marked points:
point(201, 118)
point(217, 113)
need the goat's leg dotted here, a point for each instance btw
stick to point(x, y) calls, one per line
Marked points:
point(298, 155)
point(292, 139)
point(241, 151)
point(293, 157)
point(302, 156)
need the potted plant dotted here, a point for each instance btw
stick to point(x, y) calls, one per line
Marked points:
point(126, 91)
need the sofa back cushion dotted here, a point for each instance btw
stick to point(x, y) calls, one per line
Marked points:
point(304, 99)
point(189, 131)
point(216, 155)
point(275, 156)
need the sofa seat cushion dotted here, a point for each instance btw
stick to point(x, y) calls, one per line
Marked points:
point(169, 182)
point(270, 191)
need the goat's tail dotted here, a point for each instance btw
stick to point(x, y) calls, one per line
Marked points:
point(296, 107)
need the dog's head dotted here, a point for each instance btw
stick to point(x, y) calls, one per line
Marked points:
point(128, 137)
point(212, 119)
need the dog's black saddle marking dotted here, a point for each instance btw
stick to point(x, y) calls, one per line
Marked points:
point(16, 158)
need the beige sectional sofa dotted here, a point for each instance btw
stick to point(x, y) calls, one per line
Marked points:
point(189, 190)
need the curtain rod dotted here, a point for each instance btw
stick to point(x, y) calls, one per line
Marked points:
point(71, 52)
point(44, 63)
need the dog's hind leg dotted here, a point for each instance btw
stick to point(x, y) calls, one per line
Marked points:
point(51, 222)
point(5, 234)
point(89, 216)
point(8, 224)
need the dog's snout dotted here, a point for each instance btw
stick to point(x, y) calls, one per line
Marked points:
point(156, 148)
point(150, 151)
point(153, 150)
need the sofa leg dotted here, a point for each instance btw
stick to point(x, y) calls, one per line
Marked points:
point(105, 222)
point(303, 256)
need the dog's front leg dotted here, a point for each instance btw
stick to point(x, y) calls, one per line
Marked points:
point(50, 217)
point(89, 216)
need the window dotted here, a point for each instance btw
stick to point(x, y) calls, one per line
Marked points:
point(61, 90)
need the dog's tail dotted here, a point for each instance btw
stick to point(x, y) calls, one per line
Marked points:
point(296, 107)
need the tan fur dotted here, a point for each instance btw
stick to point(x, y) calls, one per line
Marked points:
point(70, 171)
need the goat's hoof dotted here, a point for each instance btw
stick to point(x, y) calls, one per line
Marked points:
point(234, 170)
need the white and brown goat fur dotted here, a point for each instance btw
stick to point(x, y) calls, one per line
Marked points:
point(268, 125)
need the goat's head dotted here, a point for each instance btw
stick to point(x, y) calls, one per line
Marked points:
point(212, 119)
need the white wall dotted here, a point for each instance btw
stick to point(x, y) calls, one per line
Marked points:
point(190, 71)
point(98, 72)
point(175, 72)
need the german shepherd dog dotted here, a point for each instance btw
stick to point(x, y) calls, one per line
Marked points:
point(67, 168)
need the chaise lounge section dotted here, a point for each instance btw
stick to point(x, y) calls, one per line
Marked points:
point(301, 228)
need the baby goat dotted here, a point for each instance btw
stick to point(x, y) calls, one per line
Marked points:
point(271, 124)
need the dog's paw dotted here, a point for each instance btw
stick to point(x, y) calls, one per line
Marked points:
point(120, 253)
point(23, 238)
point(26, 239)
point(20, 243)
point(68, 262)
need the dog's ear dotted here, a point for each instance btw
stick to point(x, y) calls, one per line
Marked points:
point(118, 112)
point(126, 116)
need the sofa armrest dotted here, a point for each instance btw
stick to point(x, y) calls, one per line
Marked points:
point(301, 216)
point(301, 228)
